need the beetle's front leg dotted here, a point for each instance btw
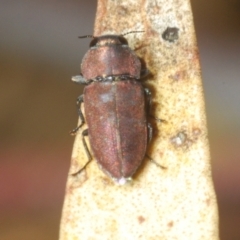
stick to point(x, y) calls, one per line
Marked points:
point(79, 79)
point(80, 114)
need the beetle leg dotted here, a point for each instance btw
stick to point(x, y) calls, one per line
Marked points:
point(79, 79)
point(144, 72)
point(80, 114)
point(153, 161)
point(148, 98)
point(149, 103)
point(84, 134)
point(150, 132)
point(158, 119)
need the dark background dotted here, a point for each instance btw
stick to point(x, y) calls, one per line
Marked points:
point(39, 52)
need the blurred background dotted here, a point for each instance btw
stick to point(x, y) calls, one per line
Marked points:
point(39, 52)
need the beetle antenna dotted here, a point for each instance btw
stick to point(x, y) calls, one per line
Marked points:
point(86, 36)
point(132, 32)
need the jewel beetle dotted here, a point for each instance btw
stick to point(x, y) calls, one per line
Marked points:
point(115, 105)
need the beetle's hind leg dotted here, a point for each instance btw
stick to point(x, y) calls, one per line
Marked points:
point(80, 114)
point(153, 161)
point(148, 95)
point(84, 134)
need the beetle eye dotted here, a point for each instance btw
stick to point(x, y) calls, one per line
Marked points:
point(123, 40)
point(94, 42)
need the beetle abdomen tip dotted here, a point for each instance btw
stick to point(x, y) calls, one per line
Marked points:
point(123, 180)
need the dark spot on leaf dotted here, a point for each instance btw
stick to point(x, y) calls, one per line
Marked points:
point(170, 34)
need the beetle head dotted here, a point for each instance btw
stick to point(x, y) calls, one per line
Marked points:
point(108, 40)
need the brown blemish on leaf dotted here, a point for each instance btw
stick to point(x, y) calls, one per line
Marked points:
point(196, 132)
point(141, 219)
point(170, 224)
point(208, 201)
point(178, 76)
